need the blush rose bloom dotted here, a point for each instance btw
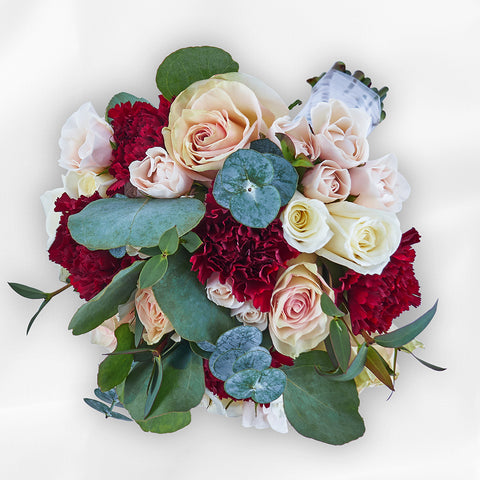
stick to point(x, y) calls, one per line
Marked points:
point(363, 238)
point(305, 223)
point(327, 182)
point(296, 321)
point(249, 315)
point(150, 314)
point(379, 185)
point(221, 293)
point(213, 118)
point(85, 141)
point(158, 176)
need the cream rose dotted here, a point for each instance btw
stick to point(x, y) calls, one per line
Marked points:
point(341, 132)
point(79, 182)
point(363, 238)
point(213, 118)
point(85, 141)
point(157, 175)
point(249, 315)
point(221, 293)
point(379, 185)
point(52, 218)
point(306, 223)
point(327, 182)
point(296, 320)
point(150, 314)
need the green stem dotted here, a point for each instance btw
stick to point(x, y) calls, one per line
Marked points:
point(56, 292)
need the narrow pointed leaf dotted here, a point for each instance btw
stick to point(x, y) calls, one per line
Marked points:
point(109, 396)
point(42, 306)
point(153, 271)
point(26, 291)
point(406, 334)
point(329, 307)
point(98, 406)
point(355, 368)
point(120, 416)
point(168, 243)
point(138, 329)
point(340, 339)
point(379, 367)
point(153, 385)
point(423, 362)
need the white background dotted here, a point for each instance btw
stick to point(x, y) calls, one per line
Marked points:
point(56, 55)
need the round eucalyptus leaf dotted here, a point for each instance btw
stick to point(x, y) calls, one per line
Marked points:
point(221, 363)
point(240, 338)
point(221, 195)
point(285, 177)
point(264, 145)
point(258, 358)
point(257, 207)
point(241, 385)
point(270, 385)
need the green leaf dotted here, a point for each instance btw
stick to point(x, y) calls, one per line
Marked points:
point(340, 342)
point(199, 319)
point(188, 65)
point(182, 388)
point(105, 304)
point(98, 406)
point(153, 271)
point(423, 362)
point(321, 409)
point(115, 222)
point(115, 368)
point(285, 178)
point(199, 351)
point(191, 241)
point(355, 368)
point(315, 358)
point(302, 162)
point(329, 307)
point(120, 98)
point(264, 145)
point(168, 243)
point(138, 329)
point(137, 381)
point(40, 308)
point(153, 385)
point(120, 416)
point(379, 367)
point(26, 291)
point(258, 358)
point(287, 146)
point(405, 334)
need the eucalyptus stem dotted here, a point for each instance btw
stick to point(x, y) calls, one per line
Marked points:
point(56, 292)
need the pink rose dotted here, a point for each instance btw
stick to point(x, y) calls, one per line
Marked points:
point(221, 293)
point(157, 175)
point(296, 320)
point(327, 182)
point(150, 314)
point(379, 185)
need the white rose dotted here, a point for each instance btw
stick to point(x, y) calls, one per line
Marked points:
point(379, 185)
point(306, 223)
point(221, 293)
point(225, 406)
point(85, 182)
point(363, 238)
point(260, 416)
point(85, 141)
point(52, 218)
point(342, 132)
point(157, 175)
point(249, 315)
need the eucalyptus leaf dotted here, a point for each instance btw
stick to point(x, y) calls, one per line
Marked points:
point(137, 381)
point(153, 385)
point(258, 358)
point(199, 319)
point(329, 307)
point(241, 338)
point(115, 368)
point(105, 304)
point(264, 145)
point(26, 291)
point(315, 358)
point(99, 406)
point(423, 362)
point(355, 368)
point(153, 271)
point(406, 334)
point(115, 222)
point(379, 367)
point(340, 339)
point(191, 241)
point(188, 65)
point(138, 329)
point(321, 409)
point(221, 363)
point(168, 243)
point(120, 416)
point(199, 351)
point(119, 252)
point(285, 178)
point(110, 396)
point(40, 308)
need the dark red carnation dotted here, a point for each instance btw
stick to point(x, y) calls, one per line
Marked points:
point(90, 271)
point(136, 128)
point(375, 300)
point(213, 384)
point(249, 257)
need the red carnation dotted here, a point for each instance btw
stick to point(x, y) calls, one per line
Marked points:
point(136, 128)
point(375, 300)
point(90, 271)
point(249, 257)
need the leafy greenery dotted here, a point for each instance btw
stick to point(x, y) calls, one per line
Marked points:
point(253, 186)
point(340, 340)
point(188, 65)
point(153, 271)
point(191, 241)
point(355, 367)
point(115, 368)
point(379, 367)
point(168, 242)
point(199, 319)
point(318, 407)
point(406, 334)
point(115, 222)
point(105, 304)
point(329, 307)
point(112, 401)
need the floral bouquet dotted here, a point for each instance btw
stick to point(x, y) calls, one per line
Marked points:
point(233, 254)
